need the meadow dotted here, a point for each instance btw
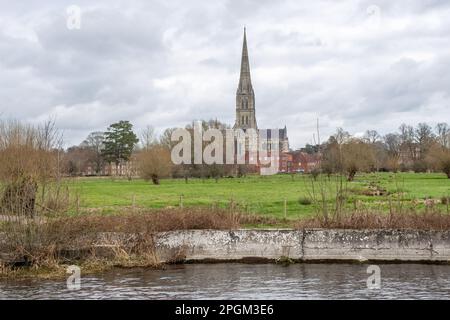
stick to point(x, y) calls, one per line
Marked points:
point(275, 196)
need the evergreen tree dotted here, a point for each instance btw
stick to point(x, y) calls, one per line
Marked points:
point(119, 143)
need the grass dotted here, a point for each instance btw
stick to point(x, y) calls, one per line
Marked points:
point(263, 195)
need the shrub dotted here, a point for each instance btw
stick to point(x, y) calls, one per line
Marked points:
point(445, 166)
point(304, 201)
point(154, 163)
point(29, 162)
point(429, 220)
point(52, 241)
point(419, 166)
point(315, 173)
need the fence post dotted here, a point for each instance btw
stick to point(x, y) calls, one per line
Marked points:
point(285, 209)
point(447, 202)
point(181, 201)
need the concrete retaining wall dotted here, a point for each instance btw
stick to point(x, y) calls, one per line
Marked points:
point(305, 245)
point(255, 245)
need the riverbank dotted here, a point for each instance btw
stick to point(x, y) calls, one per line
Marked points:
point(269, 245)
point(307, 245)
point(157, 238)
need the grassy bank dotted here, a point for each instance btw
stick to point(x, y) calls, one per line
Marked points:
point(264, 195)
point(44, 248)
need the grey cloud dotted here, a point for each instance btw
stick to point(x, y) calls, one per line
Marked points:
point(165, 63)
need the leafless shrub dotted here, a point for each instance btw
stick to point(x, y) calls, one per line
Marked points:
point(30, 163)
point(31, 190)
point(43, 242)
point(154, 163)
point(431, 220)
point(328, 194)
point(154, 220)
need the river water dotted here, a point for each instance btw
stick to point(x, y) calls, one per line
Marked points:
point(245, 281)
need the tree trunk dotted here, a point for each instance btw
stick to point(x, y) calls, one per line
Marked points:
point(351, 175)
point(155, 179)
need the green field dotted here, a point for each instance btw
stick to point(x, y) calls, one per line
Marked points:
point(259, 194)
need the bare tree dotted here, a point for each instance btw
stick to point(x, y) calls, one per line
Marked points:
point(76, 160)
point(439, 159)
point(148, 137)
point(94, 142)
point(341, 136)
point(393, 145)
point(408, 146)
point(424, 138)
point(357, 156)
point(165, 139)
point(372, 136)
point(154, 163)
point(443, 134)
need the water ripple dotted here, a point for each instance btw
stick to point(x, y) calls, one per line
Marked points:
point(245, 281)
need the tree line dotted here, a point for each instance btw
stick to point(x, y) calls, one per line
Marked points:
point(145, 154)
point(419, 149)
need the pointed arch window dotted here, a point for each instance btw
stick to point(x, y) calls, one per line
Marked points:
point(242, 120)
point(246, 119)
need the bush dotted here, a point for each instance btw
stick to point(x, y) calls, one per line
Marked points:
point(154, 163)
point(445, 166)
point(315, 173)
point(304, 201)
point(431, 220)
point(29, 162)
point(419, 166)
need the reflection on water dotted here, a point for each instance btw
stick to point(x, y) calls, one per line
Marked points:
point(245, 281)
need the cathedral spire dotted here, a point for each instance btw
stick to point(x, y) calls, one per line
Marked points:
point(245, 82)
point(245, 97)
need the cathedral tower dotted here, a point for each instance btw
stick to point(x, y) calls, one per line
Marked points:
point(245, 97)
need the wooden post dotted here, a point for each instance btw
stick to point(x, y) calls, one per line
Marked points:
point(447, 202)
point(133, 201)
point(285, 209)
point(181, 201)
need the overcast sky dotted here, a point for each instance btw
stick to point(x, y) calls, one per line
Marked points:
point(353, 64)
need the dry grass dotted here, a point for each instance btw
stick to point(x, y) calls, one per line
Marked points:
point(47, 244)
point(431, 220)
point(42, 248)
point(154, 220)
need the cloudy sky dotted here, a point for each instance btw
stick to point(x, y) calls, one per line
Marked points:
point(353, 64)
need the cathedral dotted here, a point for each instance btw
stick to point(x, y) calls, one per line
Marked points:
point(245, 104)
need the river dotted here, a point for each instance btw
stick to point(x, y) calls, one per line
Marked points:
point(245, 281)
